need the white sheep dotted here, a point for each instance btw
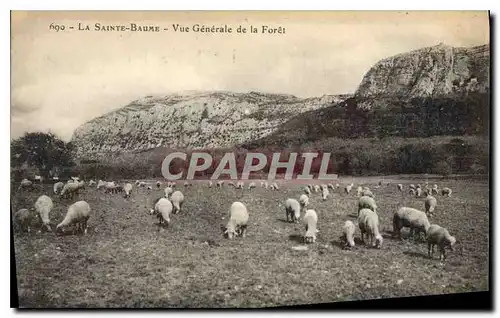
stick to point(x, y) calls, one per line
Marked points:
point(266, 185)
point(368, 223)
point(127, 188)
point(251, 185)
point(142, 184)
point(39, 179)
point(187, 184)
point(412, 186)
point(239, 185)
point(23, 219)
point(307, 190)
point(337, 185)
point(238, 220)
point(92, 182)
point(220, 184)
point(310, 187)
point(367, 202)
point(79, 214)
point(271, 187)
point(317, 188)
point(162, 209)
point(359, 191)
point(177, 199)
point(292, 210)
point(437, 235)
point(275, 185)
point(446, 192)
point(434, 189)
point(347, 237)
point(173, 184)
point(323, 186)
point(137, 182)
point(210, 184)
point(330, 186)
point(400, 187)
point(100, 184)
point(310, 220)
point(81, 184)
point(348, 188)
point(168, 191)
point(75, 179)
point(430, 204)
point(325, 194)
point(412, 191)
point(418, 192)
point(303, 200)
point(70, 189)
point(412, 218)
point(367, 193)
point(58, 187)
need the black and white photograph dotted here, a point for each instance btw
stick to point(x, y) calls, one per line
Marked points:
point(249, 159)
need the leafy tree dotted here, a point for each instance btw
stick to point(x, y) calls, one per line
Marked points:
point(44, 151)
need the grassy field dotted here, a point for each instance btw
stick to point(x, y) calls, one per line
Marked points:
point(125, 261)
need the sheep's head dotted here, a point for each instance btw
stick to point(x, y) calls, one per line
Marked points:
point(378, 241)
point(451, 242)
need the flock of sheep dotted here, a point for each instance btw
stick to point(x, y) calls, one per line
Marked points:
point(171, 203)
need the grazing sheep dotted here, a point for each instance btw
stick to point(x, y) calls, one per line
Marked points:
point(412, 186)
point(25, 183)
point(239, 185)
point(158, 184)
point(323, 186)
point(366, 202)
point(55, 178)
point(219, 184)
point(100, 184)
point(275, 185)
point(70, 189)
point(434, 189)
point(347, 237)
point(310, 220)
point(173, 184)
point(266, 185)
point(23, 219)
point(307, 190)
point(348, 188)
point(251, 185)
point(330, 186)
point(78, 213)
point(337, 185)
point(168, 191)
point(303, 200)
point(400, 187)
point(111, 187)
point(238, 220)
point(418, 192)
point(137, 182)
point(162, 209)
point(58, 187)
point(380, 183)
point(446, 192)
point(142, 184)
point(437, 235)
point(127, 188)
point(368, 223)
point(292, 210)
point(39, 179)
point(271, 187)
point(81, 184)
point(367, 193)
point(324, 194)
point(317, 188)
point(177, 199)
point(75, 179)
point(412, 192)
point(359, 191)
point(92, 182)
point(430, 204)
point(415, 219)
point(186, 184)
point(310, 187)
point(210, 184)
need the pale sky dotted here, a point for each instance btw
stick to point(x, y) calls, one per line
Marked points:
point(60, 80)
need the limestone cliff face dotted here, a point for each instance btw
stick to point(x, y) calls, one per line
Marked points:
point(194, 120)
point(429, 72)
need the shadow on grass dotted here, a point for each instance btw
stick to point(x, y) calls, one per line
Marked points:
point(416, 254)
point(296, 238)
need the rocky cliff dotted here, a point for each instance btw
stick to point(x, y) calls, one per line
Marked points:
point(192, 120)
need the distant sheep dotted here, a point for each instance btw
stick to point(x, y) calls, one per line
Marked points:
point(446, 192)
point(437, 235)
point(70, 189)
point(325, 194)
point(25, 183)
point(368, 223)
point(367, 202)
point(359, 191)
point(168, 191)
point(158, 184)
point(238, 220)
point(275, 185)
point(307, 190)
point(162, 210)
point(303, 200)
point(430, 205)
point(58, 187)
point(330, 186)
point(310, 220)
point(39, 179)
point(219, 184)
point(177, 199)
point(210, 184)
point(400, 187)
point(317, 188)
point(23, 219)
point(79, 214)
point(92, 183)
point(412, 186)
point(412, 218)
point(142, 184)
point(251, 185)
point(266, 185)
point(412, 192)
point(292, 210)
point(127, 188)
point(348, 188)
point(239, 185)
point(347, 237)
point(367, 193)
point(434, 189)
point(418, 192)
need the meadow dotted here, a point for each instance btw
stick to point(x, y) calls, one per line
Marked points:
point(126, 260)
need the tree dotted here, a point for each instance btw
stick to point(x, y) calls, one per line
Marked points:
point(44, 151)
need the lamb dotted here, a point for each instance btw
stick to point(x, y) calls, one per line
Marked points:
point(23, 219)
point(367, 202)
point(415, 219)
point(316, 188)
point(367, 193)
point(400, 187)
point(111, 187)
point(348, 188)
point(79, 214)
point(325, 194)
point(307, 190)
point(177, 199)
point(162, 209)
point(446, 191)
point(168, 191)
point(238, 220)
point(292, 210)
point(251, 185)
point(310, 220)
point(58, 187)
point(368, 223)
point(359, 191)
point(303, 200)
point(347, 237)
point(430, 204)
point(158, 184)
point(127, 188)
point(437, 235)
point(70, 189)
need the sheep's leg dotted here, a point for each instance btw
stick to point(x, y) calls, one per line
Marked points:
point(243, 231)
point(286, 212)
point(429, 249)
point(362, 238)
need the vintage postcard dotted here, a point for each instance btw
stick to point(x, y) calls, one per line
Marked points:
point(249, 159)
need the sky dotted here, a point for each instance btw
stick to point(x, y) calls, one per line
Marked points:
point(60, 80)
